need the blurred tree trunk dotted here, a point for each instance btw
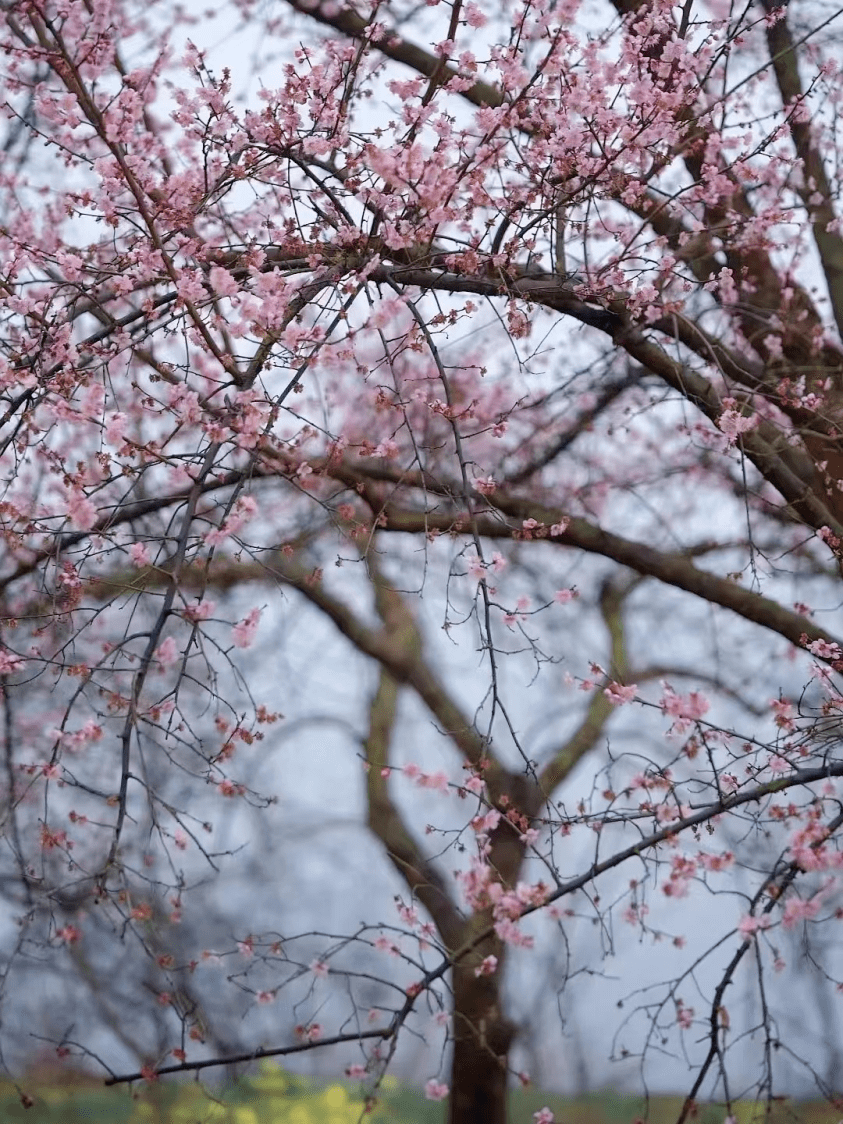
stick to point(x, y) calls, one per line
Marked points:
point(482, 1034)
point(482, 1040)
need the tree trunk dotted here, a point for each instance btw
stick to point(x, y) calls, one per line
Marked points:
point(482, 1038)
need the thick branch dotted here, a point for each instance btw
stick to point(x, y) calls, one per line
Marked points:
point(385, 821)
point(393, 46)
point(765, 445)
point(672, 569)
point(815, 189)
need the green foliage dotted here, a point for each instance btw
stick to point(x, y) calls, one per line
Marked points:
point(273, 1096)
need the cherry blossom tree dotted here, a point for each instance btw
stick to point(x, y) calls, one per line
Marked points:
point(504, 340)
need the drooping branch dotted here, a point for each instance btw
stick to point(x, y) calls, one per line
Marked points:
point(647, 842)
point(770, 891)
point(482, 934)
point(381, 1033)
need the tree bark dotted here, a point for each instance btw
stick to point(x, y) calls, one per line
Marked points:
point(482, 1039)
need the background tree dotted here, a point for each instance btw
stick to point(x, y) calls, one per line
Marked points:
point(518, 319)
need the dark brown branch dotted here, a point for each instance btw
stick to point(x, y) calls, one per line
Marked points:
point(785, 64)
point(393, 46)
point(251, 1056)
point(765, 445)
point(674, 569)
point(608, 394)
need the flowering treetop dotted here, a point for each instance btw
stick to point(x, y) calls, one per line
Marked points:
point(449, 296)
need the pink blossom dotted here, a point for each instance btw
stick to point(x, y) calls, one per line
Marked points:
point(684, 1015)
point(222, 282)
point(716, 862)
point(384, 944)
point(798, 910)
point(83, 514)
point(509, 933)
point(167, 653)
point(475, 17)
point(51, 839)
point(487, 967)
point(435, 1090)
point(487, 823)
point(618, 694)
point(563, 596)
point(9, 662)
point(682, 871)
point(748, 926)
point(667, 813)
point(116, 428)
point(732, 424)
point(777, 764)
point(519, 324)
point(407, 913)
point(198, 611)
point(438, 782)
point(498, 563)
point(476, 568)
point(139, 554)
point(783, 711)
point(319, 969)
point(684, 709)
point(635, 913)
point(388, 449)
point(243, 633)
point(476, 882)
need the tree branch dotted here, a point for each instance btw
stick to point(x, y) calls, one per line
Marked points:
point(385, 821)
point(600, 709)
point(390, 43)
point(671, 568)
